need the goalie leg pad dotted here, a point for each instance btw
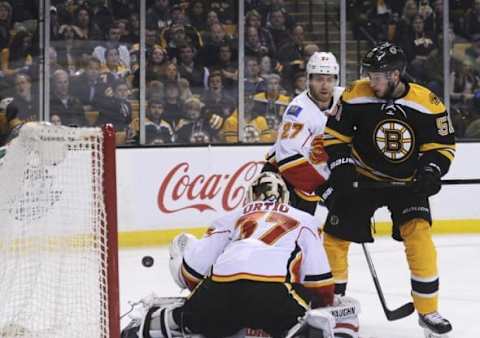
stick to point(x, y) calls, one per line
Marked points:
point(316, 323)
point(159, 323)
point(345, 311)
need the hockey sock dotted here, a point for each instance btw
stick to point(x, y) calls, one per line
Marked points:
point(337, 252)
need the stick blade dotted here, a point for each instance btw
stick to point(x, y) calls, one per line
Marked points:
point(402, 312)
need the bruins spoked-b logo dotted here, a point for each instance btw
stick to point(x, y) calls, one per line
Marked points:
point(394, 139)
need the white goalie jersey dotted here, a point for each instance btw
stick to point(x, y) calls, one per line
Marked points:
point(298, 153)
point(264, 241)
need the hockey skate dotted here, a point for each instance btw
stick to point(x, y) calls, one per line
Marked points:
point(434, 325)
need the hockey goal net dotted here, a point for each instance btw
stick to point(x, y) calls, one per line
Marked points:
point(58, 238)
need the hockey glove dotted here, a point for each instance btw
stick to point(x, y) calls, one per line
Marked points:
point(342, 174)
point(427, 180)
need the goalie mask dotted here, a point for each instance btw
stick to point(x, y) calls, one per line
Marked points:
point(322, 63)
point(268, 186)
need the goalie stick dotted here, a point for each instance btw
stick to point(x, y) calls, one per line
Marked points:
point(401, 312)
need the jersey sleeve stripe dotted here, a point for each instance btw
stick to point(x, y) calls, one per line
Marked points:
point(337, 135)
point(434, 146)
point(321, 277)
point(318, 284)
point(283, 166)
point(190, 271)
point(448, 154)
point(328, 143)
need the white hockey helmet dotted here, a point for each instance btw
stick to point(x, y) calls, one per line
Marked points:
point(268, 186)
point(323, 63)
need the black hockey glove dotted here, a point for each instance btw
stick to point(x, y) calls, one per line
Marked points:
point(342, 174)
point(427, 180)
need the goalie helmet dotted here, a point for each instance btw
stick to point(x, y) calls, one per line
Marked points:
point(323, 63)
point(268, 186)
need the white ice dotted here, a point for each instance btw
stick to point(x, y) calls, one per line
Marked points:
point(459, 260)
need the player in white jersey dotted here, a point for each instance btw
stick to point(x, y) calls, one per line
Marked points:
point(261, 267)
point(298, 152)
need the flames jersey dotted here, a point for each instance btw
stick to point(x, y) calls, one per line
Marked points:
point(391, 139)
point(263, 241)
point(298, 152)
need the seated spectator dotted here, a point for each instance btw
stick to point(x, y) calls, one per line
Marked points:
point(55, 120)
point(197, 15)
point(472, 20)
point(125, 37)
point(113, 64)
point(271, 104)
point(421, 47)
point(196, 127)
point(254, 46)
point(113, 41)
point(226, 10)
point(119, 111)
point(155, 90)
point(170, 72)
point(473, 52)
point(273, 6)
point(228, 67)
point(292, 49)
point(157, 59)
point(426, 12)
point(123, 8)
point(214, 38)
point(404, 28)
point(268, 66)
point(6, 23)
point(465, 80)
point(277, 26)
point(158, 14)
point(253, 82)
point(254, 19)
point(53, 58)
point(89, 30)
point(25, 99)
point(256, 127)
point(216, 101)
point(185, 91)
point(18, 57)
point(195, 73)
point(92, 88)
point(69, 108)
point(299, 83)
point(157, 129)
point(69, 48)
point(173, 105)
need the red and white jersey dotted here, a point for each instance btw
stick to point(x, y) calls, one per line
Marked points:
point(264, 241)
point(298, 152)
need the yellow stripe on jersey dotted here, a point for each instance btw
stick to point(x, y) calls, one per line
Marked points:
point(331, 142)
point(358, 89)
point(292, 164)
point(337, 135)
point(296, 296)
point(368, 171)
point(433, 146)
point(247, 276)
point(422, 99)
point(448, 154)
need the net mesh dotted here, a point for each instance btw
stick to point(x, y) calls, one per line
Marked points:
point(53, 277)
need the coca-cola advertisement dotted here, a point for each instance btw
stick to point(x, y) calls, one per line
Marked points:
point(174, 188)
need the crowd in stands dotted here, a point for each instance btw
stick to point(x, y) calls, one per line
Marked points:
point(417, 26)
point(192, 63)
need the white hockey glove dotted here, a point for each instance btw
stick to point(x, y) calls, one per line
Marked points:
point(176, 251)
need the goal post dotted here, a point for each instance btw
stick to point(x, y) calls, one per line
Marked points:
point(58, 233)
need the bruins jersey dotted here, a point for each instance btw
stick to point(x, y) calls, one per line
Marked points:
point(390, 139)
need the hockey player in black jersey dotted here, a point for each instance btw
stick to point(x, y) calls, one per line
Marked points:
point(387, 129)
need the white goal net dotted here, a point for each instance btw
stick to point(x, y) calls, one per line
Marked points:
point(53, 234)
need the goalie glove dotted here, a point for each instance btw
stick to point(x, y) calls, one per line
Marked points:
point(176, 252)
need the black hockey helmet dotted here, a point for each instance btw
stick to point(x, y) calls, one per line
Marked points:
point(384, 57)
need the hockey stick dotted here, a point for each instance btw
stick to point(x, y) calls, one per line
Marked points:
point(401, 312)
point(396, 184)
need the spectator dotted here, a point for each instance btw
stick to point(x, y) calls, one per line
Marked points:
point(92, 89)
point(271, 104)
point(67, 107)
point(119, 111)
point(473, 52)
point(157, 129)
point(254, 19)
point(170, 72)
point(197, 15)
point(299, 83)
point(19, 56)
point(69, 48)
point(192, 71)
point(253, 44)
point(157, 15)
point(89, 30)
point(156, 61)
point(6, 23)
point(226, 10)
point(212, 18)
point(122, 8)
point(228, 66)
point(25, 99)
point(195, 128)
point(425, 11)
point(253, 82)
point(53, 58)
point(185, 91)
point(214, 38)
point(267, 66)
point(472, 20)
point(217, 102)
point(55, 120)
point(404, 28)
point(277, 26)
point(421, 48)
point(292, 49)
point(155, 90)
point(134, 31)
point(173, 105)
point(113, 66)
point(113, 41)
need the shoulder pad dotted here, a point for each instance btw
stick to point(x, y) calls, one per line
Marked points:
point(422, 100)
point(359, 92)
